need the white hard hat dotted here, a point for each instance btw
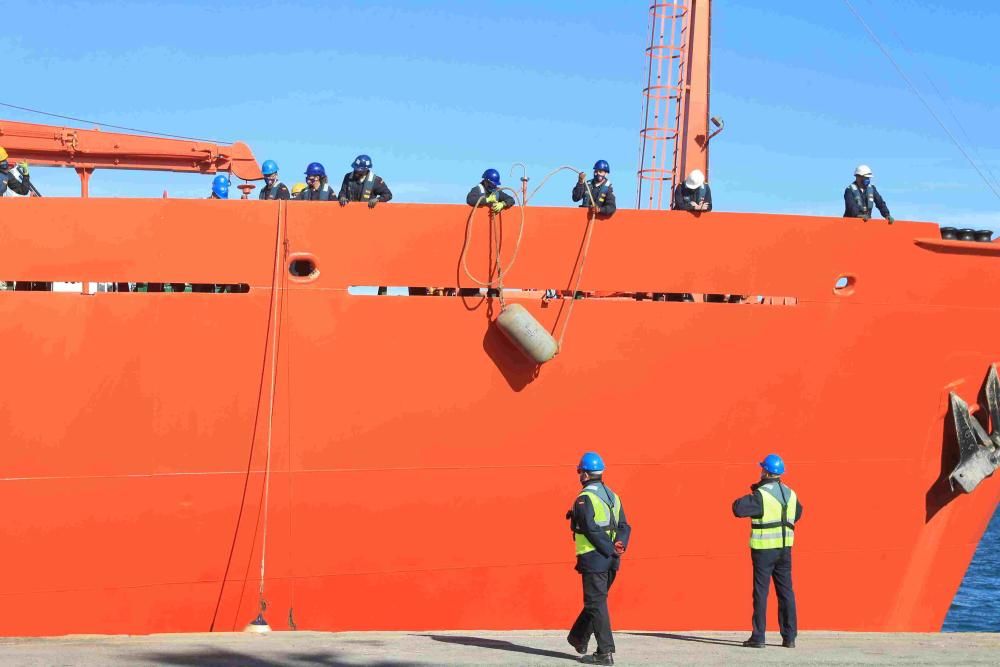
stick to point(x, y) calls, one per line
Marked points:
point(695, 180)
point(863, 170)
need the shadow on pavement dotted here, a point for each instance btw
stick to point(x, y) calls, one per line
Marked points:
point(686, 638)
point(501, 645)
point(225, 658)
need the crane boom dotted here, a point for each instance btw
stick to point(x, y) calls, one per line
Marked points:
point(87, 150)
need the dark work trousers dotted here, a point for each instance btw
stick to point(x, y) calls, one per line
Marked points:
point(594, 619)
point(776, 564)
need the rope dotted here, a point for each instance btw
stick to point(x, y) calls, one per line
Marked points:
point(923, 101)
point(944, 102)
point(579, 277)
point(116, 127)
point(495, 225)
point(278, 261)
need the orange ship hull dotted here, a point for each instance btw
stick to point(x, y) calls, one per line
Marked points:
point(419, 467)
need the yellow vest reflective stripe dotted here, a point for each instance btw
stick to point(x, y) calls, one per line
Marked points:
point(602, 516)
point(775, 529)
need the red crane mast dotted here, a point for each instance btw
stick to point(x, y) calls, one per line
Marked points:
point(675, 134)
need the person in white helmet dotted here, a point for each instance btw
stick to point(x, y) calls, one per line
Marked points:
point(693, 194)
point(861, 198)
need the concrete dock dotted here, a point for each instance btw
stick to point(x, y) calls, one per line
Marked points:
point(527, 647)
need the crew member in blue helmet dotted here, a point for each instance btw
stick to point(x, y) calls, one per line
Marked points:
point(317, 187)
point(273, 188)
point(361, 184)
point(488, 193)
point(694, 194)
point(220, 187)
point(604, 195)
point(774, 511)
point(861, 198)
point(601, 534)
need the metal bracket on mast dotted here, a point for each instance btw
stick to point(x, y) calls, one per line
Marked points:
point(979, 451)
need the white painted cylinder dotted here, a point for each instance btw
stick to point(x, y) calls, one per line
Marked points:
point(527, 333)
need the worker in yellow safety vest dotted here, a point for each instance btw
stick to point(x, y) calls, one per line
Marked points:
point(774, 511)
point(601, 534)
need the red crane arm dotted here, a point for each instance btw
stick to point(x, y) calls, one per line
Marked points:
point(86, 150)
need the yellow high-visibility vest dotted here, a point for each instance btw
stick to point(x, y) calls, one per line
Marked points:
point(775, 529)
point(603, 513)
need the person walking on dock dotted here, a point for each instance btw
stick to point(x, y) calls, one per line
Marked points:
point(361, 184)
point(601, 534)
point(861, 198)
point(8, 181)
point(317, 188)
point(774, 511)
point(694, 194)
point(273, 188)
point(604, 195)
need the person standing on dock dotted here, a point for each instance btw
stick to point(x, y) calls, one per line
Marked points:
point(694, 194)
point(601, 534)
point(604, 195)
point(861, 198)
point(273, 188)
point(8, 181)
point(488, 193)
point(774, 510)
point(317, 188)
point(361, 184)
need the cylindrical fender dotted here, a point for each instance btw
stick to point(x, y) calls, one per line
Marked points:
point(527, 333)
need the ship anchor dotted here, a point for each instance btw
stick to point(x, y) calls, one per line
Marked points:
point(979, 452)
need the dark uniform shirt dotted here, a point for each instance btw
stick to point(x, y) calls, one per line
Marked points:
point(9, 181)
point(279, 191)
point(481, 190)
point(351, 188)
point(751, 506)
point(686, 198)
point(604, 558)
point(325, 193)
point(851, 209)
point(608, 208)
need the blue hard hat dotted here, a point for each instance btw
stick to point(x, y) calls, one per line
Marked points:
point(773, 464)
point(315, 169)
point(602, 165)
point(361, 163)
point(591, 462)
point(269, 167)
point(222, 179)
point(220, 189)
point(493, 176)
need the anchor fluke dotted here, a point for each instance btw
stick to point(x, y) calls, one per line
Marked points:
point(979, 454)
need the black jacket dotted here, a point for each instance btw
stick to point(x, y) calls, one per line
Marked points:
point(477, 191)
point(580, 193)
point(685, 199)
point(9, 180)
point(351, 188)
point(851, 209)
point(279, 191)
point(317, 195)
point(604, 558)
point(751, 506)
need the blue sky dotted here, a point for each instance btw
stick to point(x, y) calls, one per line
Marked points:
point(436, 91)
